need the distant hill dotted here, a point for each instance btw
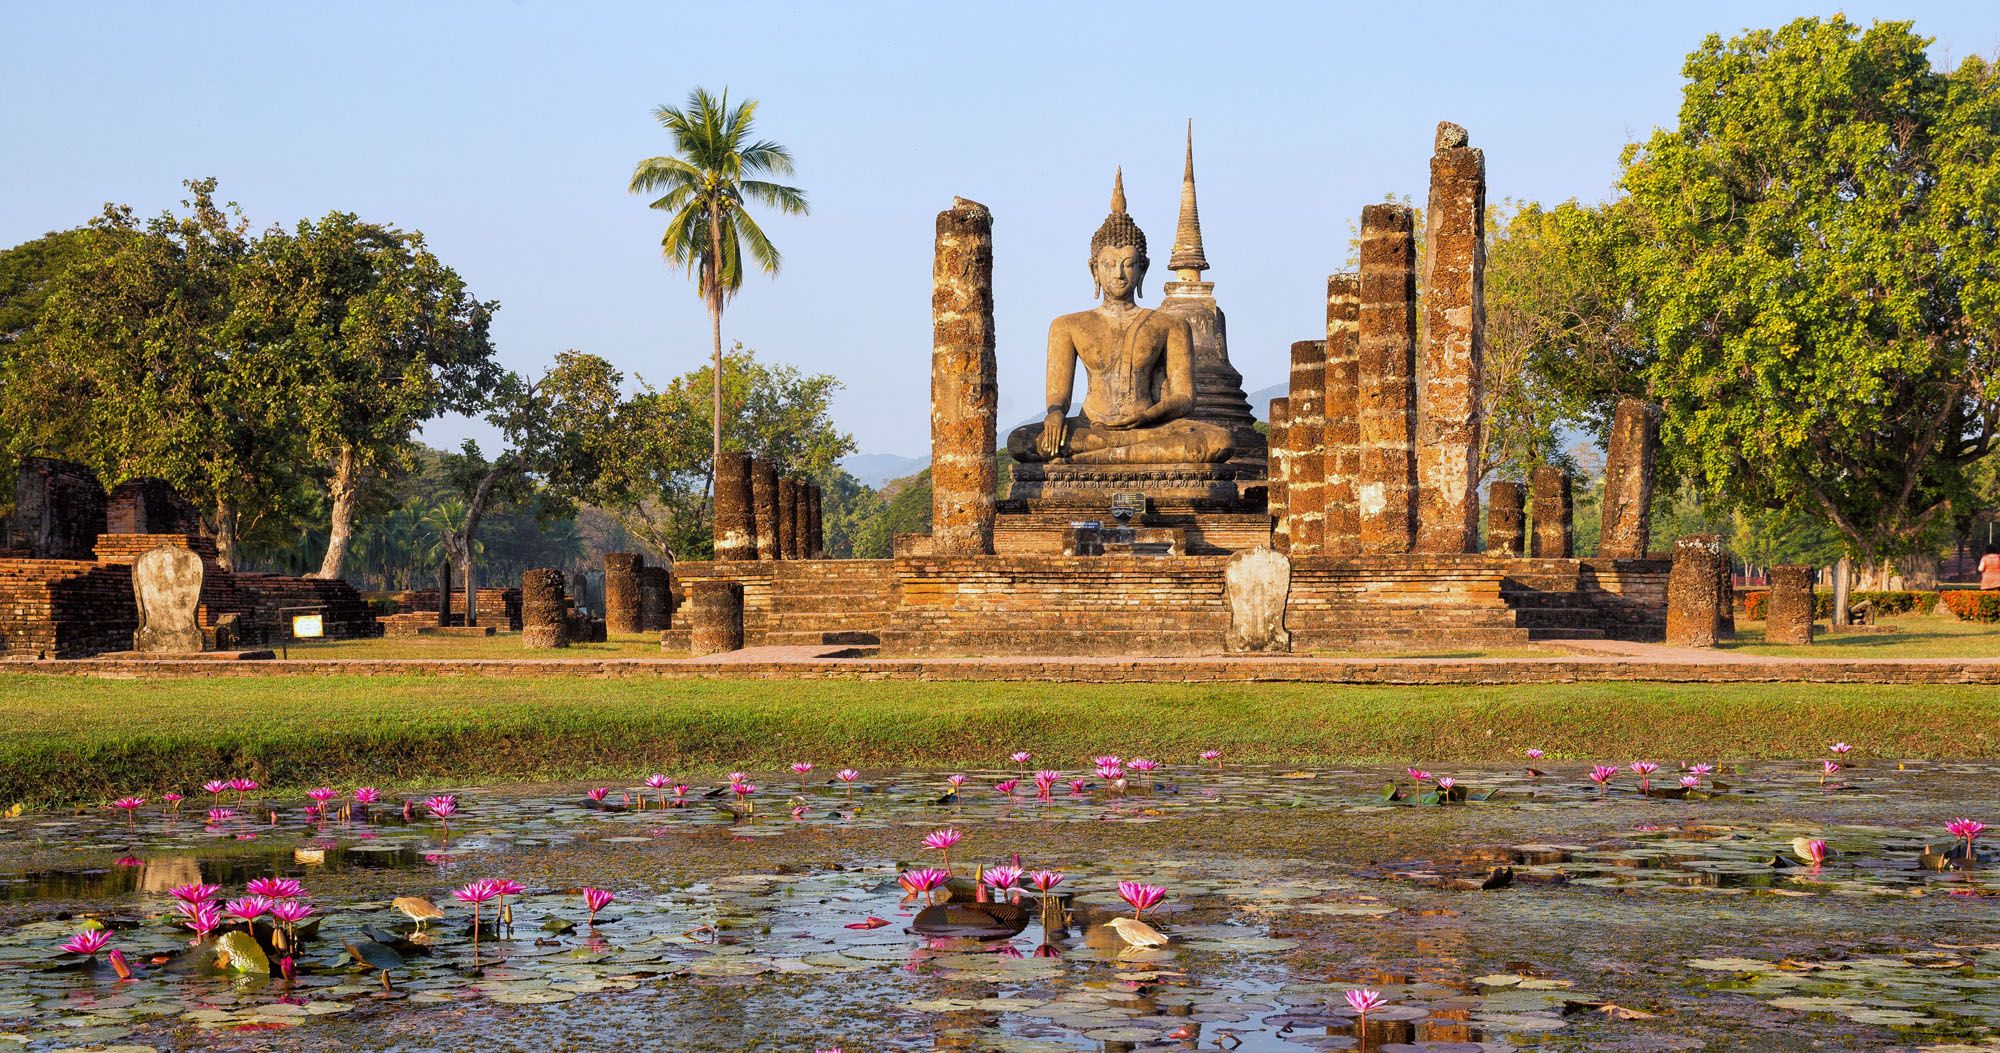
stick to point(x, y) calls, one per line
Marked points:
point(874, 469)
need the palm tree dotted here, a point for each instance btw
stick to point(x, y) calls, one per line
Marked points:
point(703, 187)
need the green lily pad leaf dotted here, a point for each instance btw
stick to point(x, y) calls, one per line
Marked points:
point(240, 953)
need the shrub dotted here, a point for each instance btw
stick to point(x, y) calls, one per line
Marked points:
point(1973, 606)
point(1886, 602)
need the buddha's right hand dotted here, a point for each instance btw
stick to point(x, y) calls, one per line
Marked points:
point(1054, 428)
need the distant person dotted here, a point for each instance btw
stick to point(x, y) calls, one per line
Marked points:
point(1989, 568)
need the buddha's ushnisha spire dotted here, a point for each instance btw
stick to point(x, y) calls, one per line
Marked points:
point(1188, 261)
point(1118, 190)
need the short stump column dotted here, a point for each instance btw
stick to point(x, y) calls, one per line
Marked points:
point(715, 617)
point(621, 592)
point(544, 615)
point(1692, 598)
point(1506, 524)
point(1788, 610)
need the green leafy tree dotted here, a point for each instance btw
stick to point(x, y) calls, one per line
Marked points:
point(1817, 259)
point(371, 335)
point(702, 186)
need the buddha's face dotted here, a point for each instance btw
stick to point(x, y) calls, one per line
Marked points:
point(1120, 271)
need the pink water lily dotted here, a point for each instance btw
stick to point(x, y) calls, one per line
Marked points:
point(1968, 831)
point(924, 880)
point(1022, 757)
point(443, 806)
point(477, 894)
point(596, 899)
point(88, 942)
point(194, 893)
point(291, 911)
point(366, 795)
point(1701, 769)
point(173, 799)
point(249, 908)
point(1533, 753)
point(1690, 782)
point(221, 815)
point(598, 793)
point(1445, 783)
point(322, 794)
point(802, 769)
point(1076, 787)
point(1827, 769)
point(1111, 759)
point(1005, 787)
point(941, 841)
point(1602, 774)
point(1364, 1002)
point(1142, 897)
point(847, 777)
point(1645, 770)
point(128, 805)
point(1141, 764)
point(1003, 878)
point(956, 781)
point(276, 888)
point(1213, 755)
point(1816, 852)
point(1045, 782)
point(215, 786)
point(1044, 880)
point(203, 918)
point(1841, 748)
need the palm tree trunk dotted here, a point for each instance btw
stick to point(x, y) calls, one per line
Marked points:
point(715, 327)
point(346, 479)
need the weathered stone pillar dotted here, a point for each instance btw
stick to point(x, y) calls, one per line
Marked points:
point(965, 395)
point(1386, 491)
point(735, 527)
point(1725, 598)
point(621, 591)
point(801, 519)
point(1788, 610)
point(166, 585)
point(1628, 479)
point(1277, 486)
point(1551, 509)
point(1448, 410)
point(764, 499)
point(715, 617)
point(816, 530)
point(655, 599)
point(1341, 434)
point(544, 617)
point(1692, 617)
point(1505, 528)
point(788, 503)
point(1305, 426)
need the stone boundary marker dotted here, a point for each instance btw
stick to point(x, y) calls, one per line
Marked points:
point(1708, 668)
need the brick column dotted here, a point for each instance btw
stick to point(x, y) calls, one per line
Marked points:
point(964, 391)
point(1387, 322)
point(1551, 509)
point(816, 530)
point(1628, 479)
point(1505, 527)
point(655, 599)
point(1448, 411)
point(1280, 462)
point(795, 544)
point(621, 592)
point(1305, 426)
point(1788, 610)
point(1340, 436)
point(715, 617)
point(544, 615)
point(764, 502)
point(1692, 617)
point(788, 502)
point(735, 527)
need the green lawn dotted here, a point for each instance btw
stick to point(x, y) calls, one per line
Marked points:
point(500, 645)
point(75, 738)
point(1915, 636)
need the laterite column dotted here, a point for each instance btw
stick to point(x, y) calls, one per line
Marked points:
point(965, 395)
point(788, 503)
point(1551, 508)
point(1692, 617)
point(735, 526)
point(1278, 486)
point(1448, 407)
point(1506, 531)
point(715, 617)
point(543, 612)
point(1305, 423)
point(1340, 435)
point(1788, 609)
point(621, 592)
point(1628, 479)
point(1386, 492)
point(764, 499)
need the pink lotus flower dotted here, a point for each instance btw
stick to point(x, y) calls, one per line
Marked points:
point(742, 789)
point(1445, 783)
point(249, 908)
point(215, 786)
point(1816, 852)
point(1602, 774)
point(291, 911)
point(173, 799)
point(1003, 878)
point(1111, 759)
point(680, 790)
point(477, 892)
point(203, 918)
point(1534, 754)
point(802, 769)
point(739, 776)
point(443, 806)
point(1966, 830)
point(88, 942)
point(195, 893)
point(128, 804)
point(1142, 897)
point(847, 775)
point(1022, 757)
point(925, 880)
point(1841, 748)
point(313, 811)
point(221, 815)
point(322, 794)
point(657, 782)
point(1690, 782)
point(1044, 880)
point(366, 795)
point(1214, 755)
point(956, 781)
point(1364, 1001)
point(599, 793)
point(1142, 765)
point(1076, 786)
point(942, 840)
point(594, 900)
point(1644, 767)
point(1417, 775)
point(276, 888)
point(1045, 782)
point(1826, 769)
point(1700, 769)
point(1110, 772)
point(1005, 787)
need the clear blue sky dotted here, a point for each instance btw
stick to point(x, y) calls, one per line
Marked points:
point(507, 132)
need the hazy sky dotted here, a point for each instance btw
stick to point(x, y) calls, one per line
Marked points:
point(507, 133)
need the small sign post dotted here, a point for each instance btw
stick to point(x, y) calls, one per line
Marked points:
point(305, 623)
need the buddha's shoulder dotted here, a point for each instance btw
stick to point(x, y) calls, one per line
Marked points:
point(1075, 320)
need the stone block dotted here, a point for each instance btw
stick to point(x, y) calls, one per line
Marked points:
point(1693, 617)
point(621, 592)
point(1256, 584)
point(1341, 435)
point(1506, 529)
point(1278, 489)
point(544, 609)
point(1449, 400)
point(1788, 612)
point(166, 583)
point(1385, 490)
point(715, 617)
point(1305, 434)
point(1552, 511)
point(1628, 480)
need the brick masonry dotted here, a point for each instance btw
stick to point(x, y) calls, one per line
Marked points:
point(1385, 491)
point(1341, 434)
point(1506, 527)
point(965, 390)
point(1628, 479)
point(735, 524)
point(1305, 441)
point(1278, 486)
point(764, 510)
point(1552, 511)
point(621, 591)
point(1448, 409)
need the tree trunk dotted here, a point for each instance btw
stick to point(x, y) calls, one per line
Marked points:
point(471, 589)
point(444, 590)
point(225, 534)
point(1843, 581)
point(715, 327)
point(346, 479)
point(469, 530)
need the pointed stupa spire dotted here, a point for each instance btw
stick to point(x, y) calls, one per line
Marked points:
point(1188, 261)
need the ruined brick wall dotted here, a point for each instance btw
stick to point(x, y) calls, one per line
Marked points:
point(1629, 596)
point(804, 602)
point(1110, 605)
point(1341, 434)
point(149, 506)
point(507, 601)
point(964, 389)
point(58, 509)
point(1628, 479)
point(1387, 323)
point(1448, 413)
point(65, 608)
point(1305, 427)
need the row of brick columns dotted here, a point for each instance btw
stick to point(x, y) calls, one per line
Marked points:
point(1701, 597)
point(762, 516)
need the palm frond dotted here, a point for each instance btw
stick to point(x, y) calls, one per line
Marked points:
point(766, 253)
point(787, 199)
point(767, 156)
point(662, 173)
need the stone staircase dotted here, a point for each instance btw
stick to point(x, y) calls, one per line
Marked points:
point(814, 602)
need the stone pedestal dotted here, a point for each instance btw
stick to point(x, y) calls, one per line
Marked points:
point(1693, 619)
point(1278, 488)
point(1788, 610)
point(715, 617)
point(1628, 480)
point(735, 524)
point(1386, 491)
point(1341, 434)
point(1256, 585)
point(788, 507)
point(621, 592)
point(1448, 410)
point(166, 582)
point(764, 501)
point(964, 390)
point(1305, 427)
point(544, 615)
point(1506, 530)
point(656, 599)
point(1552, 511)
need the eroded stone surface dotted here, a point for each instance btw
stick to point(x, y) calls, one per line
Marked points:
point(1305, 430)
point(1340, 434)
point(1256, 583)
point(1694, 617)
point(764, 502)
point(735, 525)
point(621, 592)
point(166, 582)
point(1628, 479)
point(1387, 326)
point(965, 393)
point(1278, 488)
point(1552, 512)
point(1506, 529)
point(544, 618)
point(715, 617)
point(1448, 413)
point(1788, 611)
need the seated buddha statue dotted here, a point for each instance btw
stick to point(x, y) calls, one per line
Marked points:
point(1140, 369)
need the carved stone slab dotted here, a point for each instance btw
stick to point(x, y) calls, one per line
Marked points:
point(166, 582)
point(1256, 585)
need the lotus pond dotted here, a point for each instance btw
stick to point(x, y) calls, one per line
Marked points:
point(1508, 910)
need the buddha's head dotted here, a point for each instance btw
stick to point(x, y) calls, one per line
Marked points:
point(1118, 251)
